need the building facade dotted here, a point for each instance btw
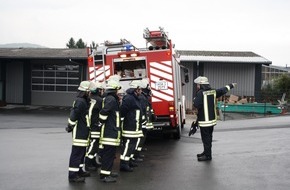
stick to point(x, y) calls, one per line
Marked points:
point(222, 68)
point(50, 77)
point(270, 72)
point(40, 76)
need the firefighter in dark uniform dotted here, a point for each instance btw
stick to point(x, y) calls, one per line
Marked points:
point(131, 114)
point(92, 159)
point(77, 124)
point(205, 103)
point(148, 115)
point(110, 131)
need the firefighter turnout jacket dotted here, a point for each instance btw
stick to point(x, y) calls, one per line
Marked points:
point(131, 114)
point(148, 112)
point(205, 102)
point(78, 119)
point(94, 110)
point(110, 118)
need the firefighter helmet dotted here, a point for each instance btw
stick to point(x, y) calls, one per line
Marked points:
point(94, 85)
point(113, 84)
point(84, 86)
point(115, 77)
point(136, 84)
point(201, 80)
point(120, 93)
point(145, 83)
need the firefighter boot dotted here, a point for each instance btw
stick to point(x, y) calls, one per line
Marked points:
point(114, 174)
point(83, 173)
point(133, 164)
point(77, 179)
point(204, 158)
point(124, 166)
point(108, 179)
point(137, 159)
point(89, 165)
point(201, 154)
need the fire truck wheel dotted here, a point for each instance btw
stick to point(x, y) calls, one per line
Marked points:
point(181, 118)
point(166, 135)
point(176, 134)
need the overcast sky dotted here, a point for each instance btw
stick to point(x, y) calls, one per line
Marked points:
point(260, 26)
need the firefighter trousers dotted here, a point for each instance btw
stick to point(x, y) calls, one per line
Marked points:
point(142, 141)
point(93, 148)
point(128, 149)
point(76, 161)
point(107, 154)
point(206, 136)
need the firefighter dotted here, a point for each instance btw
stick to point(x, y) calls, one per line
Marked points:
point(92, 159)
point(205, 103)
point(131, 114)
point(110, 131)
point(77, 124)
point(120, 94)
point(147, 117)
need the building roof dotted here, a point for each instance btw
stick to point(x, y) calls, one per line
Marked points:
point(286, 69)
point(222, 56)
point(43, 53)
point(82, 53)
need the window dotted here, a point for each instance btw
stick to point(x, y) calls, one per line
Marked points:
point(135, 69)
point(55, 78)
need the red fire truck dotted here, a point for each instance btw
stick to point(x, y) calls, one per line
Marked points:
point(158, 63)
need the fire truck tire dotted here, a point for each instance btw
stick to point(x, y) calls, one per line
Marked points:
point(177, 133)
point(166, 135)
point(181, 116)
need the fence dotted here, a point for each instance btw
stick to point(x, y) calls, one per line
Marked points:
point(267, 103)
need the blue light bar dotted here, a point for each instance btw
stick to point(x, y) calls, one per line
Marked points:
point(128, 47)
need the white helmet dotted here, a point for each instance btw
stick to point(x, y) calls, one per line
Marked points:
point(94, 85)
point(201, 80)
point(121, 92)
point(115, 77)
point(145, 83)
point(84, 86)
point(136, 84)
point(113, 84)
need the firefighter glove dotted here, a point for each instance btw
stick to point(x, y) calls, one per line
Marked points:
point(69, 128)
point(153, 117)
point(193, 128)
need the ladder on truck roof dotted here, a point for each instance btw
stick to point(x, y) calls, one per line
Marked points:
point(117, 46)
point(157, 38)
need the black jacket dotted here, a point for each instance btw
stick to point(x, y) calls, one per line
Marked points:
point(94, 110)
point(205, 102)
point(78, 118)
point(110, 118)
point(131, 114)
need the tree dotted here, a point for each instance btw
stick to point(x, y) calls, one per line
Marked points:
point(71, 43)
point(81, 44)
point(275, 90)
point(93, 45)
point(282, 83)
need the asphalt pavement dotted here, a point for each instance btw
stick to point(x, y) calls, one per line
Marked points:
point(249, 152)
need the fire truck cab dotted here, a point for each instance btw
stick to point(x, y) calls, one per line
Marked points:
point(158, 63)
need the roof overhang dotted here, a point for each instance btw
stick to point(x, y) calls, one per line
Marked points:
point(260, 60)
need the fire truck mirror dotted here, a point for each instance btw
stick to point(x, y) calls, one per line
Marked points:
point(186, 77)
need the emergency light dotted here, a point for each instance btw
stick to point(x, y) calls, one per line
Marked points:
point(128, 47)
